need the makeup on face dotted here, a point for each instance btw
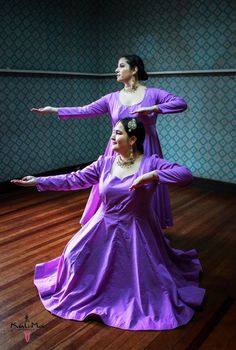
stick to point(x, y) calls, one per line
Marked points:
point(119, 137)
point(123, 70)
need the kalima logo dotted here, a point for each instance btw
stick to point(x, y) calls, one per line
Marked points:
point(26, 326)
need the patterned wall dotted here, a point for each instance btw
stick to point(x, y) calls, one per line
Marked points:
point(169, 34)
point(46, 35)
point(204, 137)
point(89, 36)
point(58, 35)
point(31, 143)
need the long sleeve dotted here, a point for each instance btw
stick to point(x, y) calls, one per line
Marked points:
point(91, 110)
point(169, 103)
point(171, 173)
point(74, 181)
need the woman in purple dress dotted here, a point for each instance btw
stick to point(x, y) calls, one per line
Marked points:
point(134, 100)
point(120, 266)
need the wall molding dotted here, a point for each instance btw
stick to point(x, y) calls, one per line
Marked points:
point(42, 73)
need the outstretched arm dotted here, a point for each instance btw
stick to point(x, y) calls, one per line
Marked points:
point(27, 181)
point(45, 110)
point(74, 181)
point(91, 110)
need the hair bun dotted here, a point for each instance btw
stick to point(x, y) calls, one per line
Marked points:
point(142, 75)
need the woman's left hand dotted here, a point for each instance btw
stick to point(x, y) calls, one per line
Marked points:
point(145, 110)
point(144, 179)
point(27, 181)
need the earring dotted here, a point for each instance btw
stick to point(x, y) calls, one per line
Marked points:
point(133, 83)
point(131, 154)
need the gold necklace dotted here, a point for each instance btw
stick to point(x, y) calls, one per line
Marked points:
point(125, 163)
point(130, 89)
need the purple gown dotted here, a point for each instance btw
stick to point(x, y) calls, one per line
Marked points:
point(119, 265)
point(167, 103)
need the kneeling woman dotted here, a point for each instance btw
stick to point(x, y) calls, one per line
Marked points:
point(119, 265)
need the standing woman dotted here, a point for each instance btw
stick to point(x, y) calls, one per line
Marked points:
point(135, 100)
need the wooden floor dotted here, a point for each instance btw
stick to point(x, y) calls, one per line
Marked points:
point(36, 226)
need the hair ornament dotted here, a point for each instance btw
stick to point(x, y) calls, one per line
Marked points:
point(132, 125)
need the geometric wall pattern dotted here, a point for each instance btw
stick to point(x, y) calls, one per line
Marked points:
point(204, 137)
point(49, 35)
point(170, 34)
point(89, 36)
point(31, 143)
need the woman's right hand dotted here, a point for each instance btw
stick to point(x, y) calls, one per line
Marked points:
point(27, 181)
point(146, 110)
point(44, 110)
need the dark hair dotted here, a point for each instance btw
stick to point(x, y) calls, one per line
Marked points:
point(136, 61)
point(139, 131)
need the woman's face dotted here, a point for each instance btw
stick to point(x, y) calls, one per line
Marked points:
point(120, 142)
point(123, 71)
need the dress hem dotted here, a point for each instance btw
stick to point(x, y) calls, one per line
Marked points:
point(112, 324)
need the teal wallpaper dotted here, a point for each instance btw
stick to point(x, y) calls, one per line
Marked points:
point(57, 35)
point(31, 143)
point(204, 137)
point(89, 36)
point(170, 34)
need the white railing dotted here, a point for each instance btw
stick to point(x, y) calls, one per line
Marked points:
point(108, 75)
